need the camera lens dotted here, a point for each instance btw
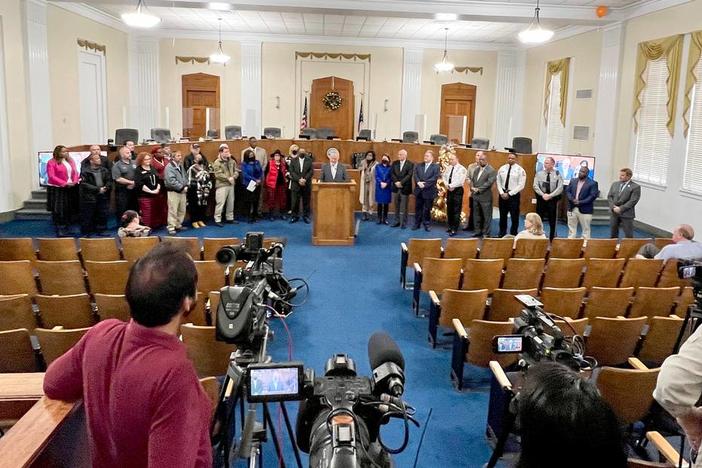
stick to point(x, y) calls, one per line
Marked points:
point(226, 255)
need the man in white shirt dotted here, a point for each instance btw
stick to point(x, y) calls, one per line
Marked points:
point(454, 177)
point(511, 179)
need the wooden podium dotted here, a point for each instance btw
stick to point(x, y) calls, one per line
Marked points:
point(333, 212)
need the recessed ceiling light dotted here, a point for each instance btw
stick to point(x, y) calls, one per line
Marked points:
point(445, 16)
point(220, 6)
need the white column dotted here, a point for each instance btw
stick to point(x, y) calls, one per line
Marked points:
point(509, 97)
point(251, 88)
point(144, 89)
point(6, 198)
point(606, 108)
point(411, 88)
point(41, 126)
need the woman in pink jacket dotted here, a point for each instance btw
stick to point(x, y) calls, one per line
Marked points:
point(62, 193)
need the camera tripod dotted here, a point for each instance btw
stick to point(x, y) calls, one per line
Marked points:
point(253, 433)
point(693, 317)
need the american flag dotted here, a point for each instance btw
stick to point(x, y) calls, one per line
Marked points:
point(360, 117)
point(303, 120)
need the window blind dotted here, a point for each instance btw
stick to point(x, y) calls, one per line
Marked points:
point(692, 177)
point(555, 131)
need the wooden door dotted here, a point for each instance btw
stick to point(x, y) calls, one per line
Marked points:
point(458, 99)
point(200, 92)
point(341, 120)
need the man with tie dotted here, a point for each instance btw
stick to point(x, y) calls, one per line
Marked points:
point(511, 178)
point(623, 197)
point(333, 171)
point(582, 193)
point(401, 178)
point(548, 186)
point(300, 171)
point(425, 177)
point(454, 177)
point(481, 181)
point(470, 225)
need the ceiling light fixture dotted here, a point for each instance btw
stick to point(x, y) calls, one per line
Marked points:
point(219, 56)
point(535, 33)
point(219, 6)
point(444, 65)
point(445, 16)
point(141, 18)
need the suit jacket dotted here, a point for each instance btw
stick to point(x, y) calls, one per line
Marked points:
point(327, 174)
point(625, 199)
point(88, 189)
point(483, 183)
point(587, 196)
point(429, 177)
point(295, 173)
point(404, 176)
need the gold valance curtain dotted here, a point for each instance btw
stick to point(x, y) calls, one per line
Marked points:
point(671, 48)
point(553, 67)
point(692, 79)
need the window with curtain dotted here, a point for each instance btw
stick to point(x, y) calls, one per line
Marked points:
point(653, 140)
point(555, 131)
point(692, 177)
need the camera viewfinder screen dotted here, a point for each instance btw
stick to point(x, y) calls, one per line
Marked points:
point(272, 384)
point(509, 344)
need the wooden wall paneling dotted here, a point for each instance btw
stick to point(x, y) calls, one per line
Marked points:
point(199, 92)
point(342, 119)
point(458, 99)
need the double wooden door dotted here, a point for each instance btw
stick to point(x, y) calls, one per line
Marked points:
point(458, 111)
point(200, 92)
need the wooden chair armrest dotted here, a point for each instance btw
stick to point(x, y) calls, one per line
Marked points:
point(433, 297)
point(403, 247)
point(57, 328)
point(460, 330)
point(620, 317)
point(417, 267)
point(500, 375)
point(664, 447)
point(636, 363)
point(443, 251)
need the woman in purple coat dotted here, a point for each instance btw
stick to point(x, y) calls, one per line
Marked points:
point(383, 189)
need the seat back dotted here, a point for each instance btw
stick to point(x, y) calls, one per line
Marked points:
point(213, 133)
point(210, 357)
point(600, 248)
point(603, 272)
point(419, 249)
point(521, 145)
point(211, 245)
point(112, 306)
point(16, 352)
point(365, 134)
point(480, 350)
point(54, 343)
point(214, 301)
point(523, 273)
point(271, 132)
point(563, 272)
point(566, 248)
point(661, 242)
point(613, 340)
point(210, 276)
point(107, 277)
point(189, 244)
point(608, 302)
point(438, 139)
point(232, 131)
point(19, 248)
point(16, 312)
point(571, 327)
point(211, 387)
point(653, 302)
point(441, 273)
point(160, 135)
point(660, 339)
point(564, 302)
point(628, 247)
point(74, 311)
point(99, 250)
point(480, 143)
point(531, 248)
point(496, 248)
point(325, 132)
point(62, 277)
point(133, 248)
point(482, 274)
point(504, 305)
point(669, 275)
point(17, 278)
point(410, 137)
point(641, 272)
point(55, 249)
point(461, 248)
point(684, 301)
point(615, 386)
point(309, 132)
point(122, 135)
point(463, 305)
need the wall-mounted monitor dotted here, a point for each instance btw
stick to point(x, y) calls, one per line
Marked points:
point(567, 164)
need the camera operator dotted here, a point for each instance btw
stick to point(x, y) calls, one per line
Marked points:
point(679, 389)
point(143, 402)
point(563, 421)
point(682, 247)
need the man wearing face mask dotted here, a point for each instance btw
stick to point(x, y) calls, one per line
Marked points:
point(300, 170)
point(401, 178)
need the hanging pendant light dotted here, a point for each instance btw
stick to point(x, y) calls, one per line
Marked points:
point(141, 18)
point(535, 33)
point(444, 65)
point(219, 56)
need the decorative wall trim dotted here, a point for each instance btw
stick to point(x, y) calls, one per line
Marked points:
point(191, 60)
point(332, 55)
point(509, 97)
point(144, 88)
point(86, 44)
point(468, 69)
point(411, 89)
point(251, 91)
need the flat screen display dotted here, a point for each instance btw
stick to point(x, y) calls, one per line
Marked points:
point(567, 165)
point(275, 382)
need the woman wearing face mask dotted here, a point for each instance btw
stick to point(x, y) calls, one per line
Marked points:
point(383, 189)
point(252, 175)
point(367, 190)
point(293, 152)
point(275, 182)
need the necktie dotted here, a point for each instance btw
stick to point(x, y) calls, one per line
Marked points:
point(333, 171)
point(402, 164)
point(509, 171)
point(621, 189)
point(451, 174)
point(548, 182)
point(302, 161)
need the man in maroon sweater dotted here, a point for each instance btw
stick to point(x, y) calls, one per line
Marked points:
point(144, 404)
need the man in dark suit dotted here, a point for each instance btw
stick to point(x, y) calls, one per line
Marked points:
point(333, 171)
point(481, 181)
point(401, 177)
point(623, 197)
point(582, 193)
point(300, 172)
point(425, 177)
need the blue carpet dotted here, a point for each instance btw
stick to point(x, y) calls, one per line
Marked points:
point(354, 292)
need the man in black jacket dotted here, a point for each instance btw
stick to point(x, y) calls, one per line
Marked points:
point(401, 177)
point(300, 171)
point(95, 186)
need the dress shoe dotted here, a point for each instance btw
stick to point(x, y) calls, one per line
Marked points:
point(452, 233)
point(171, 232)
point(385, 222)
point(196, 225)
point(218, 224)
point(414, 228)
point(477, 234)
point(294, 219)
point(397, 224)
point(427, 228)
point(306, 219)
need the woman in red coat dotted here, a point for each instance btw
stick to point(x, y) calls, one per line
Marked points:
point(275, 183)
point(147, 188)
point(62, 193)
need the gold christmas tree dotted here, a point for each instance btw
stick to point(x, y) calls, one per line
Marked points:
point(438, 210)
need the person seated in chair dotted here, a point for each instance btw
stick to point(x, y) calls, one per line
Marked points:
point(683, 246)
point(333, 171)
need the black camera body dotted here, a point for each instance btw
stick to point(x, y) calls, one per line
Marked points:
point(692, 270)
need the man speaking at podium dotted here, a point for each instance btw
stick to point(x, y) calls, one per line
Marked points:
point(143, 402)
point(333, 171)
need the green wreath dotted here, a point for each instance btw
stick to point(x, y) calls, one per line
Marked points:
point(332, 100)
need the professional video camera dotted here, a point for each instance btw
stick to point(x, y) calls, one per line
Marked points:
point(537, 337)
point(692, 270)
point(259, 289)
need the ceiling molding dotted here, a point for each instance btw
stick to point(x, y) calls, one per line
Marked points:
point(645, 7)
point(94, 14)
